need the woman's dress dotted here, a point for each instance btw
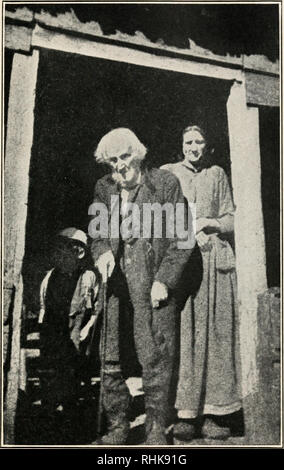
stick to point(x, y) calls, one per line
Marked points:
point(209, 352)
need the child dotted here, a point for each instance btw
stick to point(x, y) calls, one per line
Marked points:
point(67, 300)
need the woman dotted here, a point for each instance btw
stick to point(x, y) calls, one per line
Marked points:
point(209, 368)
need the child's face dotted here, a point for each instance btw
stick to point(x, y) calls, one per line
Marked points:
point(66, 257)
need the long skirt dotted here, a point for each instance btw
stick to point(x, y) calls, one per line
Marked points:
point(209, 353)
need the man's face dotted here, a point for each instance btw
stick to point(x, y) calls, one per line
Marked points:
point(125, 168)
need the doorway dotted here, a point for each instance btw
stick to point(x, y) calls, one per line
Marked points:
point(78, 100)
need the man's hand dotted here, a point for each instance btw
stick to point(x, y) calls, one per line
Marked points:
point(203, 241)
point(105, 265)
point(159, 293)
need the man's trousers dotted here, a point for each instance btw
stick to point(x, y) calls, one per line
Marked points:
point(153, 332)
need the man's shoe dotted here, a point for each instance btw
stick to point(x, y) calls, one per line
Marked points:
point(117, 435)
point(116, 401)
point(213, 428)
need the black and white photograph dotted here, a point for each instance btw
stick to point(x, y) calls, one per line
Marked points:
point(141, 225)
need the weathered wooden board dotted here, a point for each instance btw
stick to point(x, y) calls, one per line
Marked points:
point(249, 229)
point(262, 408)
point(16, 185)
point(17, 37)
point(263, 90)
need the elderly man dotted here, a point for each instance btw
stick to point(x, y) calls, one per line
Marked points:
point(145, 270)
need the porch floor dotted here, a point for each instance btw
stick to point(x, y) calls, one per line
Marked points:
point(78, 426)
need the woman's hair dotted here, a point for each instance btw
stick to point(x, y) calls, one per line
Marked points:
point(194, 127)
point(120, 139)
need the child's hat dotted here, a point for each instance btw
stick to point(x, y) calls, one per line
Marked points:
point(74, 234)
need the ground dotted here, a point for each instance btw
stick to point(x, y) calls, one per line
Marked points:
point(77, 426)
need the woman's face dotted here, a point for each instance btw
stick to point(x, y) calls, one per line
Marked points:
point(193, 146)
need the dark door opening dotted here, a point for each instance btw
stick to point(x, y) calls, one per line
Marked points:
point(78, 100)
point(269, 125)
point(8, 60)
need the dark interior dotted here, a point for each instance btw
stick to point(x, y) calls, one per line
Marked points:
point(78, 100)
point(8, 57)
point(269, 129)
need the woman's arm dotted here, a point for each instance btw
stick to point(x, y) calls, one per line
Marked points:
point(224, 224)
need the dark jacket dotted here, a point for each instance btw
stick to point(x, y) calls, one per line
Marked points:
point(157, 186)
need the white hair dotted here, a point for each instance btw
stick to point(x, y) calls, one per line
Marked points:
point(119, 140)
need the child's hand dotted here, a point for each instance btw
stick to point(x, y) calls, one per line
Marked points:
point(85, 331)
